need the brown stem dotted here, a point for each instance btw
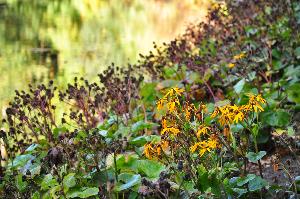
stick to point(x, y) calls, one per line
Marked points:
point(210, 90)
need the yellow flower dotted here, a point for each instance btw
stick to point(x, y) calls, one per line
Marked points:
point(234, 107)
point(179, 91)
point(238, 117)
point(202, 130)
point(212, 143)
point(169, 93)
point(171, 106)
point(260, 99)
point(174, 90)
point(160, 104)
point(204, 146)
point(203, 108)
point(215, 113)
point(257, 107)
point(177, 101)
point(194, 147)
point(158, 150)
point(187, 114)
point(254, 102)
point(226, 116)
point(231, 65)
point(245, 108)
point(164, 123)
point(164, 145)
point(172, 130)
point(239, 56)
point(148, 150)
point(202, 151)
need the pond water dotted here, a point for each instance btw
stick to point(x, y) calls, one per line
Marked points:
point(60, 39)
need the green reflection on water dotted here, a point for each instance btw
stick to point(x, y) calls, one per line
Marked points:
point(42, 39)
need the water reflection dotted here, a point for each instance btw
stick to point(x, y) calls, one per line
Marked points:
point(42, 39)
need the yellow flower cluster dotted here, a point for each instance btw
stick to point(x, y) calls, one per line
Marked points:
point(171, 99)
point(204, 146)
point(155, 150)
point(230, 114)
point(236, 58)
point(173, 137)
point(239, 56)
point(203, 130)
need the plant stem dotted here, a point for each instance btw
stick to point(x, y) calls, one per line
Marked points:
point(259, 162)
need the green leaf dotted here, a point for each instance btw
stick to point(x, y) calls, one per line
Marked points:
point(36, 195)
point(59, 130)
point(83, 192)
point(52, 192)
point(252, 75)
point(290, 131)
point(277, 64)
point(151, 168)
point(297, 52)
point(69, 181)
point(133, 195)
point(293, 93)
point(21, 185)
point(244, 180)
point(235, 128)
point(32, 147)
point(35, 169)
point(129, 180)
point(141, 125)
point(142, 140)
point(148, 92)
point(202, 183)
point(48, 182)
point(127, 162)
point(239, 86)
point(279, 118)
point(257, 184)
point(103, 133)
point(292, 74)
point(139, 141)
point(254, 157)
point(239, 191)
point(207, 74)
point(21, 160)
point(167, 84)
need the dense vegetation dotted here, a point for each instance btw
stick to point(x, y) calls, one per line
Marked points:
point(212, 114)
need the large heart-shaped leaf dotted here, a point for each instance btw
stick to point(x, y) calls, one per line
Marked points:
point(293, 93)
point(141, 140)
point(141, 125)
point(151, 168)
point(257, 184)
point(278, 118)
point(254, 157)
point(48, 182)
point(83, 192)
point(244, 180)
point(129, 180)
point(21, 160)
point(69, 181)
point(239, 86)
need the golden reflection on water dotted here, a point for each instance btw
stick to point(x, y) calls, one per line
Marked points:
point(43, 39)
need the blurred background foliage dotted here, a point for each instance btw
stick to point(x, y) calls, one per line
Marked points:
point(42, 39)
